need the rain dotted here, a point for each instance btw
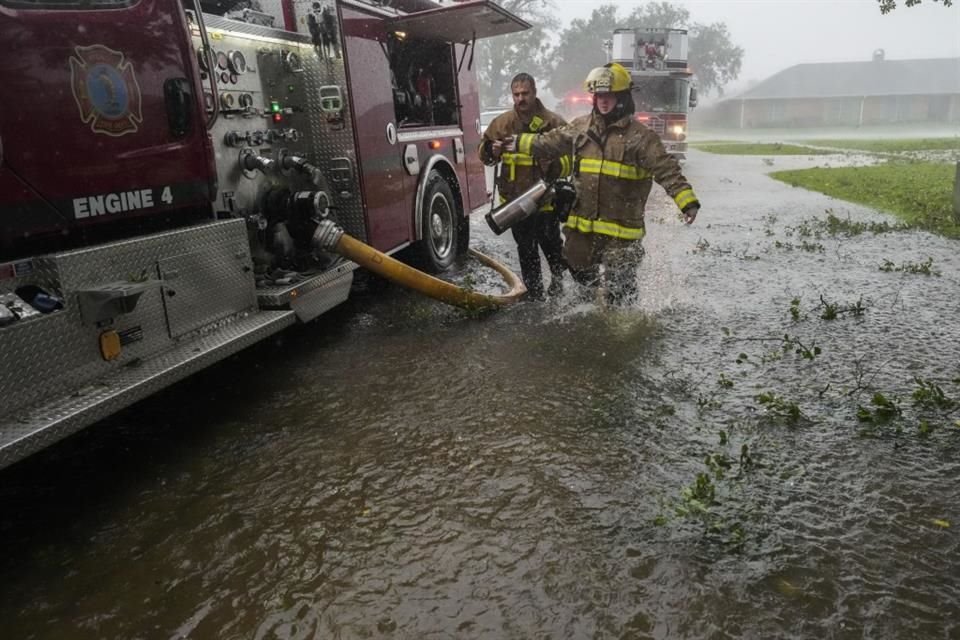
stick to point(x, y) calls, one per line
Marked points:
point(760, 442)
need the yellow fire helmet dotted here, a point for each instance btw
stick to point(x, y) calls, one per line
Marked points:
point(611, 77)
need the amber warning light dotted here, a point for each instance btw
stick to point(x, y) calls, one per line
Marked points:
point(434, 144)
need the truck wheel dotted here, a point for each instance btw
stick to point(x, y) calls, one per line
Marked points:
point(440, 224)
point(463, 235)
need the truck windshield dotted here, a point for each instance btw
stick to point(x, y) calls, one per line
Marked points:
point(661, 94)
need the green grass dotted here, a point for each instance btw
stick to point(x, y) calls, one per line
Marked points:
point(699, 143)
point(757, 149)
point(919, 193)
point(892, 145)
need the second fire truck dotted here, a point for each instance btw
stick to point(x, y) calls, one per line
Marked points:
point(663, 91)
point(662, 81)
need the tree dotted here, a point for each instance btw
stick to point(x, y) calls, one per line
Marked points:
point(886, 6)
point(714, 59)
point(580, 48)
point(499, 59)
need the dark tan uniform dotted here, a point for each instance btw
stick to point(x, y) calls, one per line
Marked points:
point(517, 173)
point(614, 168)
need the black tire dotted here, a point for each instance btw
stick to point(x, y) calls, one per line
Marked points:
point(440, 222)
point(463, 235)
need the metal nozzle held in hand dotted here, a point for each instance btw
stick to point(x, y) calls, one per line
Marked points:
point(510, 213)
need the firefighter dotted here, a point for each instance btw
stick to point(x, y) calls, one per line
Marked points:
point(518, 172)
point(615, 161)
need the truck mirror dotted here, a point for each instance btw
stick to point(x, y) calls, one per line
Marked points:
point(693, 97)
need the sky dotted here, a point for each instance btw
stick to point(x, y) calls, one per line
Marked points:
point(776, 34)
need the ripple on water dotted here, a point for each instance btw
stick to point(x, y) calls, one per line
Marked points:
point(409, 470)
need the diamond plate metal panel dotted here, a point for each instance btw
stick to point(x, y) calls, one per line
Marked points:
point(324, 140)
point(20, 272)
point(217, 23)
point(203, 286)
point(44, 355)
point(37, 427)
point(330, 140)
point(310, 305)
point(277, 297)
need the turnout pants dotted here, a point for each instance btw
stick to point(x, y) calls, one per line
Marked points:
point(586, 253)
point(541, 231)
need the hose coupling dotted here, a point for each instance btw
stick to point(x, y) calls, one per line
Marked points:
point(302, 165)
point(254, 162)
point(326, 235)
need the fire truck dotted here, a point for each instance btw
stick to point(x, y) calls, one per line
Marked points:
point(663, 88)
point(574, 104)
point(164, 166)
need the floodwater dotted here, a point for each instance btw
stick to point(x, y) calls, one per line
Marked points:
point(674, 470)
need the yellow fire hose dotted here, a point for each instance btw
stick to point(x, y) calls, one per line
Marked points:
point(332, 238)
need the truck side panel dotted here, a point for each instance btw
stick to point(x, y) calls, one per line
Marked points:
point(470, 122)
point(281, 71)
point(387, 187)
point(137, 315)
point(84, 84)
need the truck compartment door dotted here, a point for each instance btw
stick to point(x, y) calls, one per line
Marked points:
point(388, 191)
point(462, 24)
point(100, 116)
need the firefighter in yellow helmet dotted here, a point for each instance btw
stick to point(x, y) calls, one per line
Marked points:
point(615, 161)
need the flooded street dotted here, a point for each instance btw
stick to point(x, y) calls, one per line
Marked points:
point(692, 467)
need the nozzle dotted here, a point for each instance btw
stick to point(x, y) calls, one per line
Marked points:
point(510, 213)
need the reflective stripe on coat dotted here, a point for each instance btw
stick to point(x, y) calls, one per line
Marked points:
point(518, 170)
point(614, 167)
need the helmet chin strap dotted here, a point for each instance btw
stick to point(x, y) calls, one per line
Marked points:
point(618, 111)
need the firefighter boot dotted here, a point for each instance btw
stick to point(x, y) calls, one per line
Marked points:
point(552, 245)
point(534, 286)
point(556, 282)
point(556, 286)
point(589, 280)
point(524, 232)
point(530, 273)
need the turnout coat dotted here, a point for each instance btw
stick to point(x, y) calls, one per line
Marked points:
point(519, 171)
point(614, 166)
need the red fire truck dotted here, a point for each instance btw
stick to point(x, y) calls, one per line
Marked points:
point(662, 81)
point(575, 104)
point(663, 88)
point(163, 167)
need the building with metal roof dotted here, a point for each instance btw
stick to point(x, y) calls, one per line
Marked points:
point(873, 92)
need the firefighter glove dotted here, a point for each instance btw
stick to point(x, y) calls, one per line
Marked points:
point(564, 195)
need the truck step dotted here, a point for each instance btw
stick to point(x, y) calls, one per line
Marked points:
point(40, 426)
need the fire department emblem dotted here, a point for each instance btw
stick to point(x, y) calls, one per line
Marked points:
point(106, 90)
